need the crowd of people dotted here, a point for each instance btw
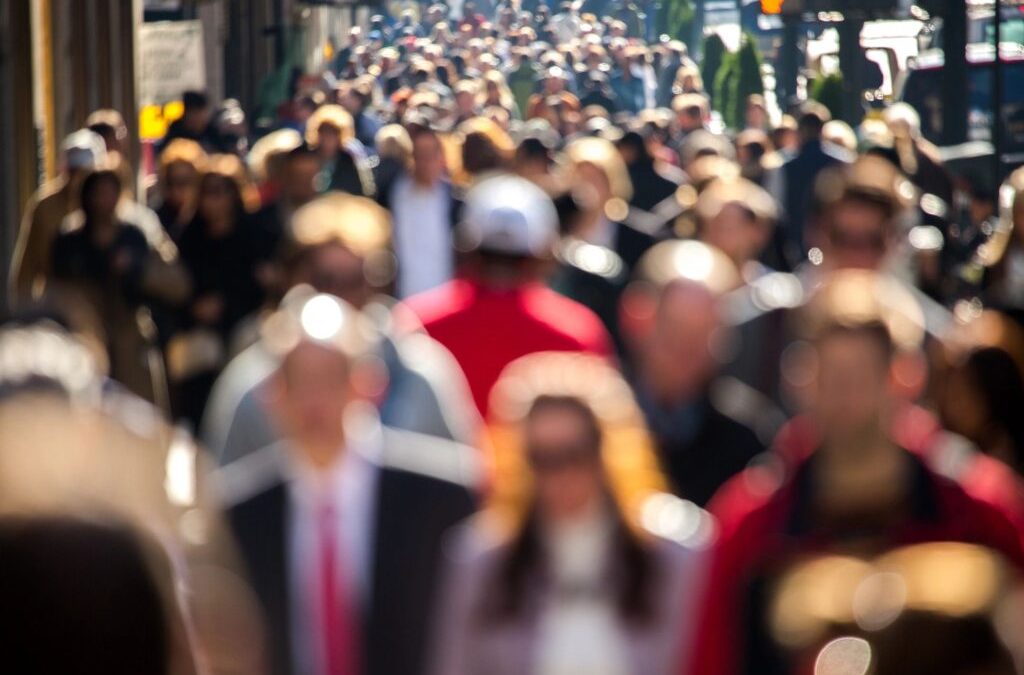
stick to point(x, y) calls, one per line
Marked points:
point(505, 356)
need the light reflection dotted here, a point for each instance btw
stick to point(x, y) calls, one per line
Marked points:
point(844, 656)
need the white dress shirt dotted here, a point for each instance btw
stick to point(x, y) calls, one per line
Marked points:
point(579, 627)
point(350, 488)
point(421, 219)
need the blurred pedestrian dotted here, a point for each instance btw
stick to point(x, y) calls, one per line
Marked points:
point(340, 524)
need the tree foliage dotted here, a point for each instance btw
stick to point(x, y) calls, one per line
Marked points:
point(714, 54)
point(737, 79)
point(675, 19)
point(828, 91)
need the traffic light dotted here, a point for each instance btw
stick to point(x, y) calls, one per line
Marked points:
point(772, 6)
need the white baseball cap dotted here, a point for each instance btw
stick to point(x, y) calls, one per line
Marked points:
point(83, 149)
point(508, 214)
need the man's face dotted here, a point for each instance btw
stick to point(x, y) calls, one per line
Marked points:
point(736, 232)
point(334, 269)
point(300, 179)
point(857, 236)
point(313, 392)
point(690, 120)
point(679, 353)
point(852, 386)
point(428, 159)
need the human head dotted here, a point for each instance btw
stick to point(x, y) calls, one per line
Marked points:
point(340, 244)
point(568, 436)
point(428, 160)
point(858, 322)
point(486, 146)
point(982, 401)
point(82, 151)
point(671, 320)
point(197, 111)
point(100, 580)
point(181, 164)
point(328, 129)
point(737, 217)
point(109, 124)
point(393, 142)
point(856, 212)
point(322, 342)
point(811, 122)
point(100, 193)
point(757, 112)
point(692, 112)
point(225, 195)
point(299, 175)
point(597, 166)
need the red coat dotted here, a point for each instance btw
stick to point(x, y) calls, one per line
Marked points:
point(487, 329)
point(761, 526)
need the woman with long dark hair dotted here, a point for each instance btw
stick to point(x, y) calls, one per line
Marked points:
point(222, 251)
point(107, 267)
point(984, 402)
point(560, 575)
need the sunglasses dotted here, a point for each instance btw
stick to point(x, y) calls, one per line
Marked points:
point(554, 459)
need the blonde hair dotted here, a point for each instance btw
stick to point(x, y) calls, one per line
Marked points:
point(603, 155)
point(627, 453)
point(181, 151)
point(394, 142)
point(333, 115)
point(232, 168)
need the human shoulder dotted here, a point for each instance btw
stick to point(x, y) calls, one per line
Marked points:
point(433, 459)
point(247, 478)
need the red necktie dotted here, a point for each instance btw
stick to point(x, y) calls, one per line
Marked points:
point(338, 624)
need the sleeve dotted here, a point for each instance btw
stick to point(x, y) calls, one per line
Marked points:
point(451, 643)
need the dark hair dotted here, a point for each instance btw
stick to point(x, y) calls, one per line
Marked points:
point(91, 184)
point(634, 141)
point(633, 568)
point(998, 381)
point(813, 117)
point(78, 597)
point(304, 151)
point(874, 330)
point(193, 100)
point(237, 199)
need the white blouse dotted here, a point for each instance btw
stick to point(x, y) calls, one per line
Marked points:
point(579, 628)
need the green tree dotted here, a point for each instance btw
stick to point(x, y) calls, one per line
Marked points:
point(828, 91)
point(714, 55)
point(749, 80)
point(724, 89)
point(675, 19)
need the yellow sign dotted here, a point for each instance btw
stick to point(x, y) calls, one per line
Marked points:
point(154, 119)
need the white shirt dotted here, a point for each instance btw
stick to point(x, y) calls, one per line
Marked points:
point(421, 219)
point(350, 487)
point(580, 631)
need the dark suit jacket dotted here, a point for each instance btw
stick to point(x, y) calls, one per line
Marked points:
point(423, 490)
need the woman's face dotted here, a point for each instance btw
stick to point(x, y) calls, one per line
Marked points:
point(329, 140)
point(566, 465)
point(596, 180)
point(215, 199)
point(180, 185)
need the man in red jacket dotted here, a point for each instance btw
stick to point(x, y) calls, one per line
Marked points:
point(859, 493)
point(501, 310)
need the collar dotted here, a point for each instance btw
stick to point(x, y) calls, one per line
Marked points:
point(923, 500)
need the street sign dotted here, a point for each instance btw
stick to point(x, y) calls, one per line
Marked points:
point(171, 60)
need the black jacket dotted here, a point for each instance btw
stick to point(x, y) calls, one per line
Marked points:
point(414, 508)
